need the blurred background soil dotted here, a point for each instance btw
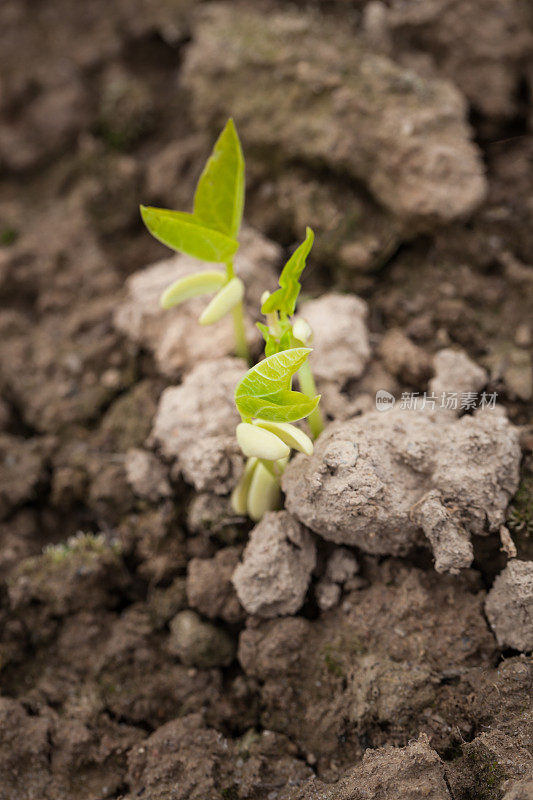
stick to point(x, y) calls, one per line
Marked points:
point(402, 132)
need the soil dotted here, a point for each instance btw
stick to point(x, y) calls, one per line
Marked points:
point(129, 664)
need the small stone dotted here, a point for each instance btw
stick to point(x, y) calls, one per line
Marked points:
point(209, 587)
point(509, 606)
point(456, 372)
point(508, 546)
point(276, 569)
point(146, 475)
point(198, 643)
point(111, 378)
point(518, 374)
point(341, 565)
point(327, 594)
point(449, 541)
point(523, 337)
point(404, 359)
point(164, 604)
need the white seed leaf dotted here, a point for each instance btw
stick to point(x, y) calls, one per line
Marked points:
point(192, 286)
point(239, 496)
point(290, 434)
point(264, 494)
point(255, 441)
point(222, 303)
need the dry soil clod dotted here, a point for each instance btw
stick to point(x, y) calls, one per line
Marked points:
point(509, 606)
point(276, 568)
point(375, 481)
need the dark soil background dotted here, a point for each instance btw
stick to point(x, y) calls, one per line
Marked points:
point(104, 105)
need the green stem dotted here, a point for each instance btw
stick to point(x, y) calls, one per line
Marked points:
point(308, 387)
point(239, 330)
point(241, 345)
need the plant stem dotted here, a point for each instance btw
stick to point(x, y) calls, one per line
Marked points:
point(239, 330)
point(308, 387)
point(241, 345)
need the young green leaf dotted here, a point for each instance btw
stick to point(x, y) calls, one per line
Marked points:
point(284, 298)
point(222, 303)
point(192, 286)
point(265, 390)
point(219, 198)
point(186, 234)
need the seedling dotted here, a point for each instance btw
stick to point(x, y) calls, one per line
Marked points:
point(209, 234)
point(264, 397)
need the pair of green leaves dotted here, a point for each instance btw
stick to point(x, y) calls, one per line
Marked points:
point(284, 299)
point(210, 232)
point(265, 391)
point(282, 302)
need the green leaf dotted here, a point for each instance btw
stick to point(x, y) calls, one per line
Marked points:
point(192, 286)
point(284, 298)
point(265, 391)
point(184, 233)
point(222, 303)
point(219, 197)
point(284, 406)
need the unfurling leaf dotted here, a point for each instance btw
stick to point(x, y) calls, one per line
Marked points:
point(284, 298)
point(219, 198)
point(259, 443)
point(290, 434)
point(264, 493)
point(265, 391)
point(192, 286)
point(186, 234)
point(239, 496)
point(222, 303)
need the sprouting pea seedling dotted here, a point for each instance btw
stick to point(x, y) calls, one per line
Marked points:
point(209, 234)
point(264, 397)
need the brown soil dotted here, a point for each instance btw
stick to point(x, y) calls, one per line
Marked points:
point(99, 699)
